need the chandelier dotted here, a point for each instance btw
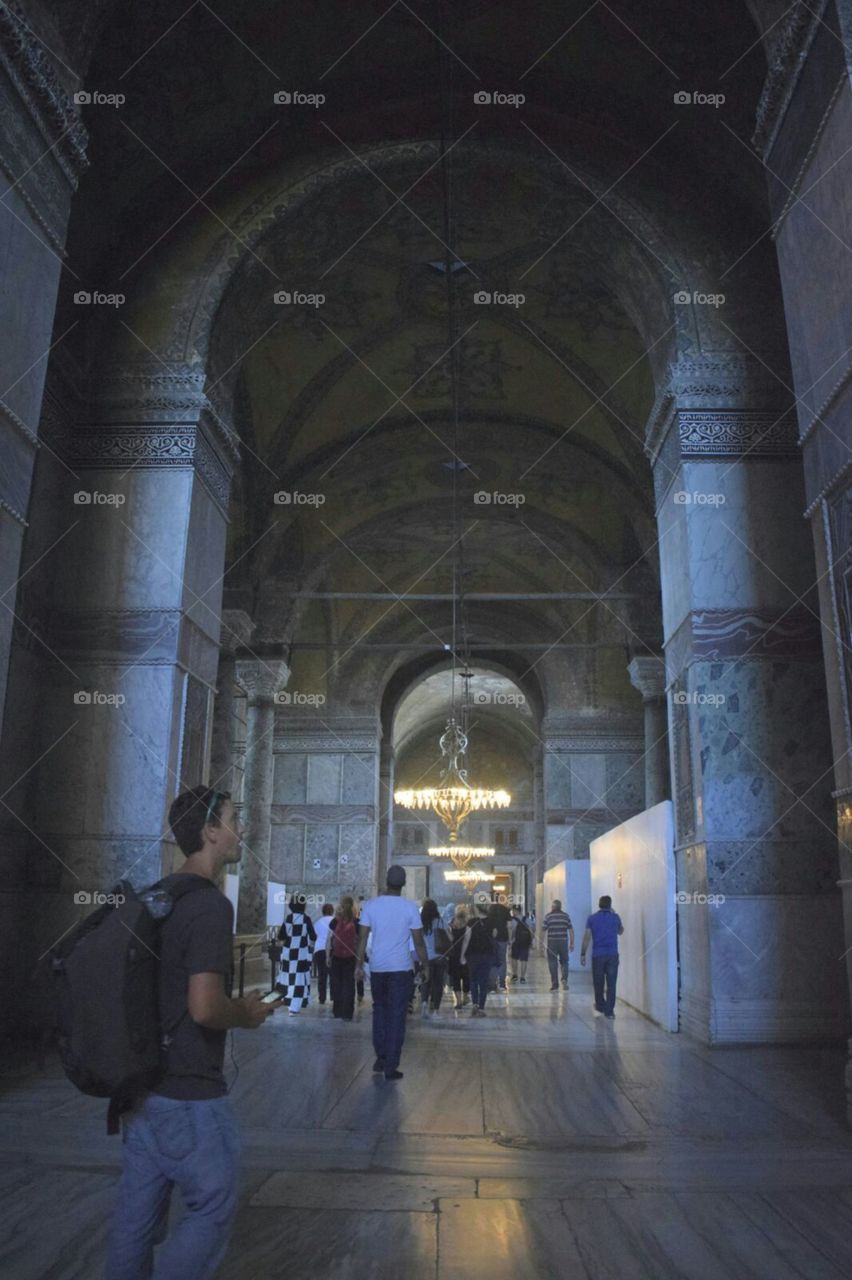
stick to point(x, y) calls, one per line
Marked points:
point(461, 854)
point(455, 798)
point(470, 879)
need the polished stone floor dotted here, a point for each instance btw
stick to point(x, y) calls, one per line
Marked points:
point(536, 1143)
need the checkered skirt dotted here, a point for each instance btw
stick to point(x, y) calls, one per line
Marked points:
point(296, 956)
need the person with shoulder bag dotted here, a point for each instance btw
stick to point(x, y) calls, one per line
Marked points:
point(479, 951)
point(343, 953)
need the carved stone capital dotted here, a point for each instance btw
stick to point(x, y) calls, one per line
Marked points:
point(237, 628)
point(648, 675)
point(262, 678)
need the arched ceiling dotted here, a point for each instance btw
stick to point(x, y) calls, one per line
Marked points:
point(592, 201)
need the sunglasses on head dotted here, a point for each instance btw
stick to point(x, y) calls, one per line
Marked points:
point(215, 797)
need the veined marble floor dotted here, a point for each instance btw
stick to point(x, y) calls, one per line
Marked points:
point(539, 1142)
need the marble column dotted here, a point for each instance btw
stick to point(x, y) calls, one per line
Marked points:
point(127, 612)
point(386, 784)
point(759, 915)
point(262, 679)
point(42, 158)
point(237, 628)
point(801, 133)
point(648, 675)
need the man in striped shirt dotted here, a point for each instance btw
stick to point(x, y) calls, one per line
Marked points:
point(559, 940)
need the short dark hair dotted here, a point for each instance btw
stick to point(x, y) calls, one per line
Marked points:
point(298, 901)
point(190, 812)
point(327, 909)
point(605, 902)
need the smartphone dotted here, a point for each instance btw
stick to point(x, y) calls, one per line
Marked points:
point(272, 998)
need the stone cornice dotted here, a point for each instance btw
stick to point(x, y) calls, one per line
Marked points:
point(324, 743)
point(792, 198)
point(841, 383)
point(792, 40)
point(841, 476)
point(31, 71)
point(595, 743)
point(19, 425)
point(16, 515)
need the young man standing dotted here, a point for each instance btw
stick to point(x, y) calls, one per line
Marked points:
point(603, 929)
point(183, 1132)
point(559, 941)
point(395, 924)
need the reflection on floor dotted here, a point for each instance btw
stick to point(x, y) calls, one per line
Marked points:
point(538, 1142)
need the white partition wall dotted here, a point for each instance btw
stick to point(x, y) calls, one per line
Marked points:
point(634, 864)
point(569, 881)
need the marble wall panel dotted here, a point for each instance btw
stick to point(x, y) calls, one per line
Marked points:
point(135, 569)
point(205, 560)
point(287, 852)
point(557, 780)
point(358, 785)
point(358, 853)
point(322, 841)
point(588, 781)
point(290, 780)
point(625, 781)
point(324, 773)
point(765, 562)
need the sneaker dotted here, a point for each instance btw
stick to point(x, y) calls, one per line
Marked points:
point(523, 979)
point(474, 1011)
point(393, 1075)
point(482, 1013)
point(610, 1016)
point(597, 1013)
point(294, 1013)
point(565, 984)
point(554, 988)
point(514, 978)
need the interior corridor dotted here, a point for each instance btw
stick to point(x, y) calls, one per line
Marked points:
point(537, 1141)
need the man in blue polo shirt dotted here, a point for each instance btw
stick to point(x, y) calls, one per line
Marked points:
point(603, 930)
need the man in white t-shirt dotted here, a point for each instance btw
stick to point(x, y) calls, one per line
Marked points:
point(394, 923)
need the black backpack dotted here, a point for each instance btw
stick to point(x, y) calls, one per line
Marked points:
point(481, 941)
point(523, 935)
point(106, 990)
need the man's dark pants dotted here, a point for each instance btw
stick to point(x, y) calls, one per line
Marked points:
point(557, 957)
point(604, 970)
point(390, 992)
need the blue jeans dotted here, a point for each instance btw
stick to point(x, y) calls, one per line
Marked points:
point(391, 992)
point(480, 971)
point(604, 968)
point(196, 1147)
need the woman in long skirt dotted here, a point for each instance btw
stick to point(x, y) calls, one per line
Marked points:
point(297, 936)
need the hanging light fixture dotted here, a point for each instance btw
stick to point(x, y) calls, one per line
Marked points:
point(470, 879)
point(461, 854)
point(455, 798)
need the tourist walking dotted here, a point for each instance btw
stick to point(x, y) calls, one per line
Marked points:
point(558, 941)
point(499, 916)
point(184, 1132)
point(437, 945)
point(522, 940)
point(458, 972)
point(480, 954)
point(603, 929)
point(321, 968)
point(342, 950)
point(297, 936)
point(391, 924)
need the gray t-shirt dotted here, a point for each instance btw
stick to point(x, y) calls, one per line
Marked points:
point(196, 938)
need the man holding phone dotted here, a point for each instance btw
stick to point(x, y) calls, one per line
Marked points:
point(184, 1132)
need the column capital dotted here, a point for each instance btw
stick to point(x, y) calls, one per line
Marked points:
point(262, 678)
point(648, 675)
point(236, 632)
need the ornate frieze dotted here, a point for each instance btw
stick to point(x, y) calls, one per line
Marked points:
point(327, 742)
point(29, 67)
point(593, 744)
point(735, 433)
point(789, 42)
